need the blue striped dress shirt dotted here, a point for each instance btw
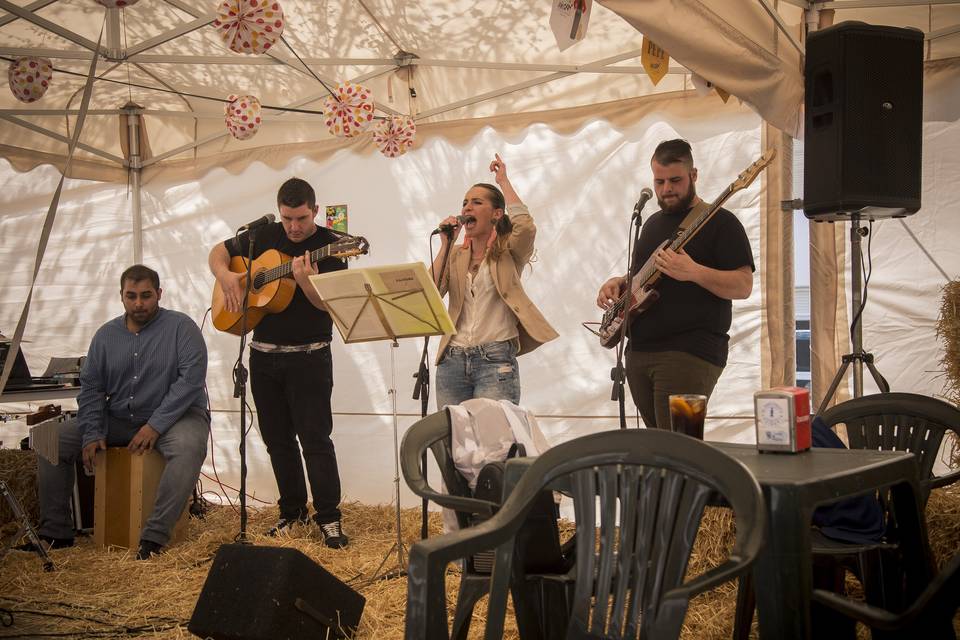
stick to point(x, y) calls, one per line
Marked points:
point(151, 377)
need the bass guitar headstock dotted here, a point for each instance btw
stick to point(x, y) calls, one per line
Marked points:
point(750, 174)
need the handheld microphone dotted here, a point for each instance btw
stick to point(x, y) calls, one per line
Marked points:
point(645, 195)
point(448, 228)
point(259, 222)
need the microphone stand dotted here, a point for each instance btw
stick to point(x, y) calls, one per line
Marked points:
point(240, 390)
point(421, 388)
point(618, 374)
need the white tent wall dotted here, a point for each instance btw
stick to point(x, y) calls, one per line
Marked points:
point(580, 186)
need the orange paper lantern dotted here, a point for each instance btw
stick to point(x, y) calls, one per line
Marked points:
point(29, 78)
point(249, 26)
point(349, 110)
point(394, 135)
point(242, 116)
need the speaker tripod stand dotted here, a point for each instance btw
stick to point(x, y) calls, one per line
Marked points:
point(858, 358)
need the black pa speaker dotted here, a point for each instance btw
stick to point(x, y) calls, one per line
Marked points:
point(273, 593)
point(862, 122)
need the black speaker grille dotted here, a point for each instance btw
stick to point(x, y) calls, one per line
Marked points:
point(863, 122)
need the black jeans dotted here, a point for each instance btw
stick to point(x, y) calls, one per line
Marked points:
point(292, 392)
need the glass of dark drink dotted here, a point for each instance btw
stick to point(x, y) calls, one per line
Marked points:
point(687, 412)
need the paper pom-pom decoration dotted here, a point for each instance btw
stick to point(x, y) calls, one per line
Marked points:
point(29, 78)
point(242, 115)
point(349, 110)
point(116, 4)
point(249, 26)
point(394, 135)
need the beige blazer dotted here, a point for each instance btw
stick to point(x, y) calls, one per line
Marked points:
point(533, 327)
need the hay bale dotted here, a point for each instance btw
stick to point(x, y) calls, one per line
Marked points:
point(99, 593)
point(948, 330)
point(19, 470)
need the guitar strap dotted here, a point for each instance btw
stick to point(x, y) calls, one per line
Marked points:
point(692, 215)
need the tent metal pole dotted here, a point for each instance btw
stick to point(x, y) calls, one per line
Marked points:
point(56, 136)
point(133, 138)
point(52, 27)
point(33, 6)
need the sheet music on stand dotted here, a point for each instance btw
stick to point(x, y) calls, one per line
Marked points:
point(385, 303)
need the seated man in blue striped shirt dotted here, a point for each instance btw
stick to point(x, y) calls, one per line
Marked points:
point(142, 387)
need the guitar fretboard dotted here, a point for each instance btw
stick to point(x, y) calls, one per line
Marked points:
point(286, 269)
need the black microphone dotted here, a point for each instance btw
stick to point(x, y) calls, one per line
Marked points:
point(645, 194)
point(259, 222)
point(448, 228)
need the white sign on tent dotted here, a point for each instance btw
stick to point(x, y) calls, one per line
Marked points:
point(568, 20)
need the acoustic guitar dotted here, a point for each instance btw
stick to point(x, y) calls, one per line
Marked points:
point(273, 284)
point(643, 292)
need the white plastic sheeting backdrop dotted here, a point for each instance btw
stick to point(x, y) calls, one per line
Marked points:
point(580, 188)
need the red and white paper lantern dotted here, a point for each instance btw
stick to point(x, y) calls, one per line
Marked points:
point(394, 135)
point(349, 110)
point(249, 26)
point(29, 78)
point(117, 4)
point(242, 116)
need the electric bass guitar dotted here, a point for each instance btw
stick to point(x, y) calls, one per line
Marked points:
point(273, 285)
point(643, 286)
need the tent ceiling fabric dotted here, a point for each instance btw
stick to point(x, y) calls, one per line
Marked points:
point(438, 60)
point(502, 52)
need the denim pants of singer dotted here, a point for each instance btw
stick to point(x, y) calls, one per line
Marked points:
point(292, 392)
point(183, 446)
point(486, 371)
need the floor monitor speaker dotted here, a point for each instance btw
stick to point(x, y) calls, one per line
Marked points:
point(273, 593)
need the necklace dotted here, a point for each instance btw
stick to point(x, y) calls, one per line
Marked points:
point(475, 262)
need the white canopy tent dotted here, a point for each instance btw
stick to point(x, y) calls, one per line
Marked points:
point(575, 127)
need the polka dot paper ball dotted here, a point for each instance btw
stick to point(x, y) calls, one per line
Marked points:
point(242, 116)
point(249, 26)
point(394, 135)
point(29, 78)
point(349, 110)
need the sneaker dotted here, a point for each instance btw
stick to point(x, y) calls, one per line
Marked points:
point(285, 523)
point(333, 535)
point(52, 543)
point(148, 548)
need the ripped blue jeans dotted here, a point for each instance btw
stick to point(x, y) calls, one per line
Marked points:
point(486, 371)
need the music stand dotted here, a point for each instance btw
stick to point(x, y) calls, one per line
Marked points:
point(385, 303)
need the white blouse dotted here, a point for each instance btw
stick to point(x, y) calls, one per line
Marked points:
point(485, 316)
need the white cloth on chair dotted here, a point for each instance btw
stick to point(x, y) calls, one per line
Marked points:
point(482, 431)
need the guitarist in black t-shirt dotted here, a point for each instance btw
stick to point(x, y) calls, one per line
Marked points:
point(291, 371)
point(679, 344)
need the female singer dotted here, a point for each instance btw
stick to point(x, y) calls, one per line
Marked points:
point(495, 319)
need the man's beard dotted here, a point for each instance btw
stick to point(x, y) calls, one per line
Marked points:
point(143, 318)
point(679, 206)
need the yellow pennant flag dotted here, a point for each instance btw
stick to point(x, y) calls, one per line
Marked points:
point(655, 60)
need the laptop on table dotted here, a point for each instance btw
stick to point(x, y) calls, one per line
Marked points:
point(20, 378)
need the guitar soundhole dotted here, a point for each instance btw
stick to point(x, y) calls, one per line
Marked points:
point(258, 281)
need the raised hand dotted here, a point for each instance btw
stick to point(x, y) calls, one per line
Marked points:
point(499, 169)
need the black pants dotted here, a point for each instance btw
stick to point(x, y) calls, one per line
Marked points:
point(292, 392)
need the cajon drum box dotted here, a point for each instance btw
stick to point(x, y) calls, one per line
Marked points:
point(126, 489)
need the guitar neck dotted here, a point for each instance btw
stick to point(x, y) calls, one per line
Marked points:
point(285, 270)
